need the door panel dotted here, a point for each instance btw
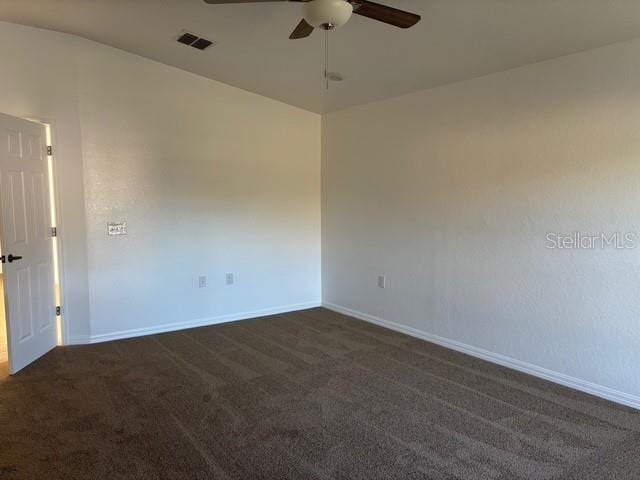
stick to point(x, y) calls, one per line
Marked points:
point(44, 292)
point(13, 144)
point(17, 208)
point(23, 302)
point(24, 202)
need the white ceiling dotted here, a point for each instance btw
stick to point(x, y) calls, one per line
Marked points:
point(456, 40)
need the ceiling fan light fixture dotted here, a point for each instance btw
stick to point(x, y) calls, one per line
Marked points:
point(327, 13)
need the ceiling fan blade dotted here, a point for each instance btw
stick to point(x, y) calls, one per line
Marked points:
point(382, 13)
point(303, 30)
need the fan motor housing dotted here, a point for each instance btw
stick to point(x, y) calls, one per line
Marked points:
point(327, 13)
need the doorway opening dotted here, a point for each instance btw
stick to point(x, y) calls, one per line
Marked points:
point(57, 294)
point(4, 353)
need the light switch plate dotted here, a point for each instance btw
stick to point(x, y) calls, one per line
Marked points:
point(117, 228)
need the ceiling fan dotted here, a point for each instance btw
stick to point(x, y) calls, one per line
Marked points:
point(330, 14)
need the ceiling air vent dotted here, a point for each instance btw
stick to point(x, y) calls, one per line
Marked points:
point(194, 41)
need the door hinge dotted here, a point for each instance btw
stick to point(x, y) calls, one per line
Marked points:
point(54, 232)
point(58, 310)
point(49, 150)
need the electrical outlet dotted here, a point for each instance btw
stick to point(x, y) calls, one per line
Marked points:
point(382, 281)
point(202, 281)
point(230, 279)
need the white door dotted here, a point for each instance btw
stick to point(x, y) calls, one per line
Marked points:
point(26, 241)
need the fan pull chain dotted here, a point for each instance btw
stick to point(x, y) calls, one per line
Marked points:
point(326, 58)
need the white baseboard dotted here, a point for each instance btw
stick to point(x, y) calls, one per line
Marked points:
point(78, 340)
point(202, 322)
point(556, 377)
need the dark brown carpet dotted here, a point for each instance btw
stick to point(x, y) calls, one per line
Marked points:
point(306, 395)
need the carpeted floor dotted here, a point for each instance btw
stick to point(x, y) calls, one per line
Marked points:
point(306, 395)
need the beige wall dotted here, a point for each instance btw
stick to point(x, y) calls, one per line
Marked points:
point(450, 193)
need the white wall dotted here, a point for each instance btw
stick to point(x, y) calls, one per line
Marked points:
point(210, 179)
point(450, 193)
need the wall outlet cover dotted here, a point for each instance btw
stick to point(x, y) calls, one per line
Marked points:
point(117, 228)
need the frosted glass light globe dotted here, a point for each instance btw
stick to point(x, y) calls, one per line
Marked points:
point(318, 13)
